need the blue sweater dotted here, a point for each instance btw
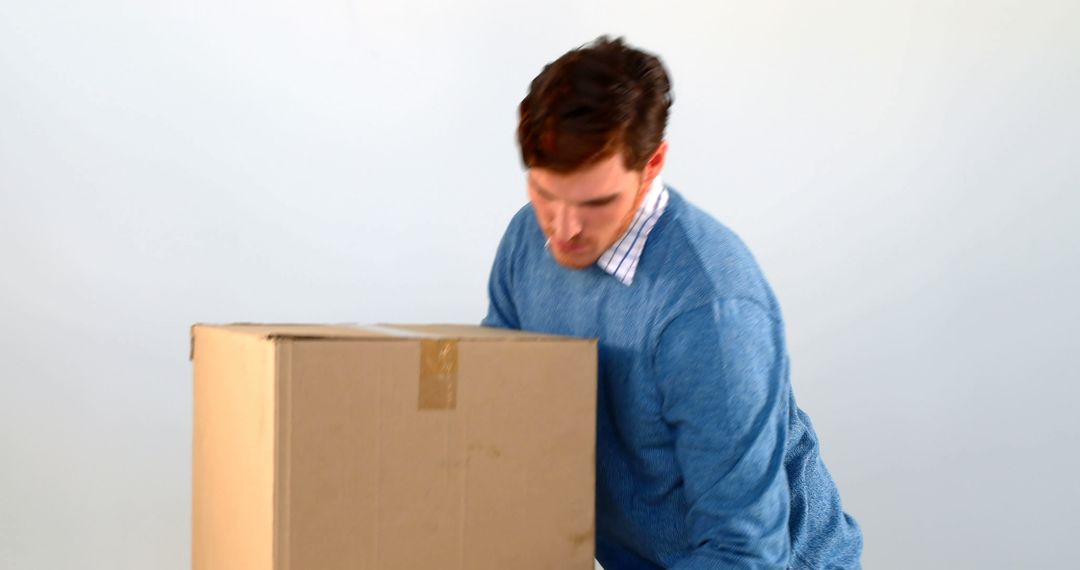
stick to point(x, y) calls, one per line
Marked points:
point(703, 458)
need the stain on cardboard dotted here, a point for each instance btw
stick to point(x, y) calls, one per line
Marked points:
point(582, 538)
point(490, 451)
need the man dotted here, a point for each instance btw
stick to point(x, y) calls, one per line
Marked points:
point(703, 458)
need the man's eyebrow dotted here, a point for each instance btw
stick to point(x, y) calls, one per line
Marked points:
point(603, 200)
point(539, 188)
point(594, 202)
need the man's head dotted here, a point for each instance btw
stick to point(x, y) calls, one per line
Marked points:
point(591, 132)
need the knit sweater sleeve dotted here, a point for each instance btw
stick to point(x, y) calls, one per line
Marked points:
point(721, 371)
point(501, 310)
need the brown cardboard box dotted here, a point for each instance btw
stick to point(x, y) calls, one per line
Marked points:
point(392, 448)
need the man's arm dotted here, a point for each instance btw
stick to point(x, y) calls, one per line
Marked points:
point(721, 369)
point(501, 310)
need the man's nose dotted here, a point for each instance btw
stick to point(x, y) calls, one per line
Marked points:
point(567, 222)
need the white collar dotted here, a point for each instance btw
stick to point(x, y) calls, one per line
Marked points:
point(621, 259)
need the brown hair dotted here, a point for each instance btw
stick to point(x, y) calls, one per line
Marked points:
point(592, 102)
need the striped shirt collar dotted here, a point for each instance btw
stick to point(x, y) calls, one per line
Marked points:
point(621, 259)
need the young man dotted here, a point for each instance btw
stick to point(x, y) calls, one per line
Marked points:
point(703, 458)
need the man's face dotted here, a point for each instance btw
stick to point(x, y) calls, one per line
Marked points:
point(584, 212)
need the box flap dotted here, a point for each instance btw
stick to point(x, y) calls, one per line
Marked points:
point(465, 332)
point(348, 331)
point(290, 330)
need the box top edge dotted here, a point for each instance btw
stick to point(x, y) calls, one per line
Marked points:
point(384, 332)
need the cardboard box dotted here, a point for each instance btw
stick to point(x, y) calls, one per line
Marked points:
point(392, 448)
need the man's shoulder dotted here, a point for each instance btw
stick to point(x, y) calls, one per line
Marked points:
point(705, 257)
point(520, 232)
point(523, 224)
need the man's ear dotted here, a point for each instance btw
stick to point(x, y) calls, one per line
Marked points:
point(655, 164)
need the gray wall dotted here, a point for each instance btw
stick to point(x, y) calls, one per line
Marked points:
point(906, 173)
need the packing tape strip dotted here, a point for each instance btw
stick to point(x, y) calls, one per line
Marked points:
point(438, 374)
point(438, 367)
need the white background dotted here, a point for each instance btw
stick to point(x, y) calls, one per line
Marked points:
point(907, 174)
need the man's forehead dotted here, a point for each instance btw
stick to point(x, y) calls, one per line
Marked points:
point(598, 181)
point(578, 192)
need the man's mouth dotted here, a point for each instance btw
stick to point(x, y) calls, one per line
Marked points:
point(568, 246)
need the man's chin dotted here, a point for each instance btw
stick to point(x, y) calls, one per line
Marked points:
point(573, 261)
